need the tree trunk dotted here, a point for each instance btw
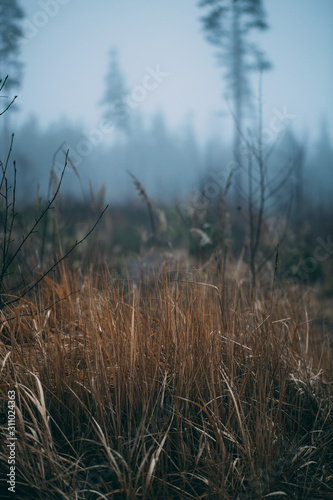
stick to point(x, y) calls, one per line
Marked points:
point(237, 77)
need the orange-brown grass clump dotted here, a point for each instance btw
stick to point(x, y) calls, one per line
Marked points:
point(185, 386)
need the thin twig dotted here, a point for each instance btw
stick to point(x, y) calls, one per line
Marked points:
point(59, 260)
point(37, 221)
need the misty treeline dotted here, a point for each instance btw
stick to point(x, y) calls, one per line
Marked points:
point(265, 170)
point(170, 164)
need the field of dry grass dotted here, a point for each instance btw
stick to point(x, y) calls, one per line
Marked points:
point(184, 385)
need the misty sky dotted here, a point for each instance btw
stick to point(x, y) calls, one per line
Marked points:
point(66, 61)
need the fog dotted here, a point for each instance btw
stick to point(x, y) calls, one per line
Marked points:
point(168, 163)
point(137, 88)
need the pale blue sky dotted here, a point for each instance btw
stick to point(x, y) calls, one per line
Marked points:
point(66, 60)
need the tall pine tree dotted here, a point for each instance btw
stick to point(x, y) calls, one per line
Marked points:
point(228, 24)
point(115, 109)
point(11, 32)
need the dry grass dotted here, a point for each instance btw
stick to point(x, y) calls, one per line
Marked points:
point(181, 387)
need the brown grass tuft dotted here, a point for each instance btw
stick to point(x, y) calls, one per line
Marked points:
point(166, 389)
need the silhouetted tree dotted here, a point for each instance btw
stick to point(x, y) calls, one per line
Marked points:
point(10, 35)
point(228, 24)
point(116, 108)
